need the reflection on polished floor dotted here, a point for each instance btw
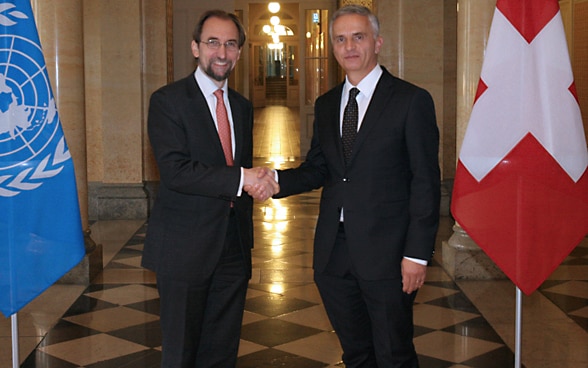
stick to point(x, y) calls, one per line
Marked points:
point(114, 322)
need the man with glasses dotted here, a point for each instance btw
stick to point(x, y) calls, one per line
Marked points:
point(200, 232)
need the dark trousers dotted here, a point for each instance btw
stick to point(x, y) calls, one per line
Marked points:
point(201, 320)
point(373, 319)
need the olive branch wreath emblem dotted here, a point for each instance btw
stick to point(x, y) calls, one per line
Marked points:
point(31, 177)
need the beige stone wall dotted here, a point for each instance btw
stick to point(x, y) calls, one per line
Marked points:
point(62, 42)
point(155, 72)
point(125, 54)
point(448, 129)
point(415, 40)
point(114, 98)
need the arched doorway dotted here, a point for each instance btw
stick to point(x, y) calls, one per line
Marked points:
point(306, 64)
point(274, 60)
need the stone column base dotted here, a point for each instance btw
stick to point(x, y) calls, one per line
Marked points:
point(464, 259)
point(90, 266)
point(117, 201)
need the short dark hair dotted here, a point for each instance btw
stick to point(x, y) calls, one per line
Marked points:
point(222, 15)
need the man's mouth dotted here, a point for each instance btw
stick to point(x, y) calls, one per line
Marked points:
point(220, 63)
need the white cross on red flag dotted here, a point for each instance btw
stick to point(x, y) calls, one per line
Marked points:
point(521, 185)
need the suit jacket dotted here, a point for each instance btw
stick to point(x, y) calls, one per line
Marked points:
point(189, 219)
point(390, 189)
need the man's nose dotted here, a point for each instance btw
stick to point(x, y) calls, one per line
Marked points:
point(349, 44)
point(222, 51)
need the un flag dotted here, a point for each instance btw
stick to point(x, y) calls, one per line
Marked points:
point(41, 235)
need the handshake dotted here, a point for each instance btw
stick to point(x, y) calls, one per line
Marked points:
point(259, 183)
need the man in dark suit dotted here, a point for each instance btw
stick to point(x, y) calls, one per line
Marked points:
point(200, 232)
point(379, 208)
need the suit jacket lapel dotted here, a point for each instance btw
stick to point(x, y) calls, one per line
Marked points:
point(333, 123)
point(237, 114)
point(378, 104)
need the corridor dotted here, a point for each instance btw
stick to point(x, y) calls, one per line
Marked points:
point(113, 323)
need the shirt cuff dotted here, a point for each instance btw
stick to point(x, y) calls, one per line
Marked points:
point(417, 260)
point(240, 190)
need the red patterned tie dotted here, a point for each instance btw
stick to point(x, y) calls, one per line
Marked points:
point(224, 129)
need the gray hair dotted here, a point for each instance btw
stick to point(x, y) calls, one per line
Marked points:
point(359, 10)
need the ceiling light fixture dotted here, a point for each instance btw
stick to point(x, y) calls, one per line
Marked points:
point(273, 7)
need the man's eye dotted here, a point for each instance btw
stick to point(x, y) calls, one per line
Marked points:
point(214, 43)
point(339, 40)
point(231, 45)
point(358, 37)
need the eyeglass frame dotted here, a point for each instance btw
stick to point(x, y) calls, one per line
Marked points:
point(215, 44)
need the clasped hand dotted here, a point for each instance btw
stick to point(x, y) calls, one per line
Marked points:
point(259, 183)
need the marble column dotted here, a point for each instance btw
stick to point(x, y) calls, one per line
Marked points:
point(115, 73)
point(60, 27)
point(462, 257)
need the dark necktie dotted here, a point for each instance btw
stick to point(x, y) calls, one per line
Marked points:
point(349, 130)
point(224, 129)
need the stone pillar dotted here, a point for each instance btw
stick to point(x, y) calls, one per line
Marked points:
point(114, 86)
point(60, 27)
point(462, 257)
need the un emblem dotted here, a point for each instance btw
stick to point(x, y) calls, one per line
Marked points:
point(32, 146)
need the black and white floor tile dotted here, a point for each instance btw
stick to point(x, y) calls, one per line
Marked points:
point(114, 323)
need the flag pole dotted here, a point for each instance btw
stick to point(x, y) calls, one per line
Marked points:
point(14, 327)
point(518, 328)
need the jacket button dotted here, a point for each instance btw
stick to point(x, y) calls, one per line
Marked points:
point(346, 179)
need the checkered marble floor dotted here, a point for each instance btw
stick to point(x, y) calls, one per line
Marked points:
point(114, 323)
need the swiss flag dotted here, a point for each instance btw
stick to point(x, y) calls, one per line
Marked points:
point(521, 186)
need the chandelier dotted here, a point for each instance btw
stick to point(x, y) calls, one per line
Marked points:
point(275, 29)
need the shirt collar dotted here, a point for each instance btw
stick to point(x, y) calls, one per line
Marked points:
point(206, 84)
point(367, 85)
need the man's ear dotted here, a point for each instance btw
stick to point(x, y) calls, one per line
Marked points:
point(195, 49)
point(379, 42)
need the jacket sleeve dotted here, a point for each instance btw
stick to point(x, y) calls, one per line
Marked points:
point(422, 139)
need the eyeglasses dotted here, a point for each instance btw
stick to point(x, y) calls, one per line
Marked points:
point(215, 44)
